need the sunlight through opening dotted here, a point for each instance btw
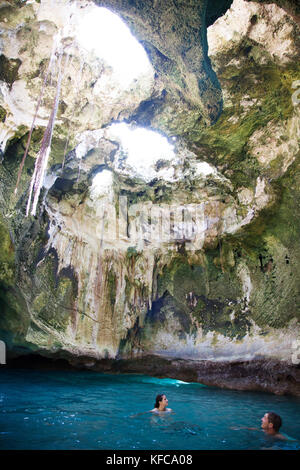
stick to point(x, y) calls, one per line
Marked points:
point(107, 35)
point(102, 184)
point(144, 148)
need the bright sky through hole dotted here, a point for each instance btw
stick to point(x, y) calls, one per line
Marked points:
point(101, 185)
point(143, 146)
point(105, 33)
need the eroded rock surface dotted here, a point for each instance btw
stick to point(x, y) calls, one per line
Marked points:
point(192, 257)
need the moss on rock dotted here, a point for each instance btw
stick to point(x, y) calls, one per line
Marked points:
point(54, 293)
point(269, 88)
point(9, 69)
point(270, 248)
point(7, 255)
point(206, 292)
point(14, 318)
point(2, 114)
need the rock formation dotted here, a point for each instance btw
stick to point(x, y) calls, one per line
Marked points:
point(182, 262)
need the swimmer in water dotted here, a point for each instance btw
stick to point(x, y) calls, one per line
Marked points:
point(271, 423)
point(161, 403)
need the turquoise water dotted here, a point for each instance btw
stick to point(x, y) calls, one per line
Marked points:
point(88, 410)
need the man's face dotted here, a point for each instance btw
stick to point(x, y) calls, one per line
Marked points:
point(265, 422)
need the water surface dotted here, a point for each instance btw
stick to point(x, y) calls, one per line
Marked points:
point(88, 410)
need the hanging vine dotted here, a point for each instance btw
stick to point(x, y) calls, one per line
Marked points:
point(49, 70)
point(43, 156)
point(42, 159)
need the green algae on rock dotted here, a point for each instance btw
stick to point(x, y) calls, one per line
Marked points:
point(69, 287)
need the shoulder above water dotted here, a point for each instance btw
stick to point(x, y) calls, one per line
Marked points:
point(156, 410)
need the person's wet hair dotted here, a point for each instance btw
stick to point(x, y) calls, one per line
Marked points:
point(158, 399)
point(275, 420)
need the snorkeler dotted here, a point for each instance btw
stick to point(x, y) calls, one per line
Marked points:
point(161, 403)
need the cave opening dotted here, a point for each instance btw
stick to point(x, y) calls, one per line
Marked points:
point(104, 33)
point(146, 152)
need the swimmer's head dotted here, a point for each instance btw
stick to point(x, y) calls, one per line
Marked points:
point(271, 421)
point(161, 400)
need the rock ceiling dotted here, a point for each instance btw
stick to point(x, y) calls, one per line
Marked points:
point(225, 100)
